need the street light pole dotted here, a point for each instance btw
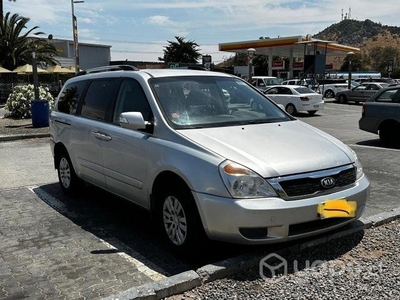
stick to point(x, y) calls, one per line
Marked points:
point(250, 53)
point(75, 35)
point(349, 59)
point(35, 75)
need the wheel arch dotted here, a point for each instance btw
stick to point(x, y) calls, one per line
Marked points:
point(168, 179)
point(58, 149)
point(388, 122)
point(165, 180)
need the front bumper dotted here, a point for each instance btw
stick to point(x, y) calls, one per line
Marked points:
point(272, 220)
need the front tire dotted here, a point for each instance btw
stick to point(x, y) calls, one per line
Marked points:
point(69, 182)
point(179, 220)
point(329, 94)
point(343, 99)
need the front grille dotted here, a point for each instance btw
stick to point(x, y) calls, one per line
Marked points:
point(312, 185)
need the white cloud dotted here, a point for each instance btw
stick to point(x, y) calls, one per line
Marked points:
point(141, 28)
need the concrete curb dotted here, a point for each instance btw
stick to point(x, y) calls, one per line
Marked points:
point(8, 138)
point(188, 280)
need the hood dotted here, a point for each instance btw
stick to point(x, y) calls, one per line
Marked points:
point(274, 149)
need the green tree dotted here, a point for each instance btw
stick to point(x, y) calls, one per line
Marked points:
point(181, 51)
point(241, 59)
point(356, 63)
point(16, 47)
point(380, 57)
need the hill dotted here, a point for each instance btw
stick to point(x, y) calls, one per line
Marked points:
point(365, 35)
point(358, 33)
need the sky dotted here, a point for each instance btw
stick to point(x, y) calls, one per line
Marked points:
point(139, 30)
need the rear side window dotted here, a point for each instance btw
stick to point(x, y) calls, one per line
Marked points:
point(68, 100)
point(99, 99)
point(389, 96)
point(304, 90)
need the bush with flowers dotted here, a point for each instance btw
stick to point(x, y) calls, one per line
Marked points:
point(18, 104)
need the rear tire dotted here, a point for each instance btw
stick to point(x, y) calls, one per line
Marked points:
point(389, 135)
point(69, 182)
point(290, 109)
point(329, 94)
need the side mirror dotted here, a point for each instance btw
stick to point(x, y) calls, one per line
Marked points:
point(132, 120)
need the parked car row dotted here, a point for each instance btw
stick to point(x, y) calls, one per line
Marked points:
point(330, 90)
point(360, 93)
point(381, 110)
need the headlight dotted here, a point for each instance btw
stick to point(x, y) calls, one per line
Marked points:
point(242, 182)
point(357, 164)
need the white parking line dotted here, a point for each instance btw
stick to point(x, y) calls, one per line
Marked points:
point(136, 259)
point(374, 147)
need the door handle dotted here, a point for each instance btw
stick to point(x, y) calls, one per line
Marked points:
point(101, 136)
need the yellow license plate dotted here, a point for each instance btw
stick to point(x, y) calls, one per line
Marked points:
point(337, 208)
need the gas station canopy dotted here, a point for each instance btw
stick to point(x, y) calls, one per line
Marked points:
point(292, 46)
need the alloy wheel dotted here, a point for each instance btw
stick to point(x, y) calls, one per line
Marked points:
point(65, 172)
point(175, 222)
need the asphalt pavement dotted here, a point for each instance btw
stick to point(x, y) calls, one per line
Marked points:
point(57, 247)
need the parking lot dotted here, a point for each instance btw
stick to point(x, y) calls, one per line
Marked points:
point(97, 245)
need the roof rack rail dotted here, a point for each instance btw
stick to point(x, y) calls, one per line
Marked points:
point(108, 68)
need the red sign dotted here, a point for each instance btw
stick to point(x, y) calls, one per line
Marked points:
point(329, 67)
point(298, 65)
point(278, 65)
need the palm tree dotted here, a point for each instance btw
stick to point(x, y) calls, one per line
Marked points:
point(16, 48)
point(1, 9)
point(181, 51)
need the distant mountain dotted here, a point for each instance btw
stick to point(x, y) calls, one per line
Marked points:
point(365, 35)
point(359, 33)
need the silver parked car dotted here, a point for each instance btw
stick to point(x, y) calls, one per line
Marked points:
point(360, 93)
point(188, 146)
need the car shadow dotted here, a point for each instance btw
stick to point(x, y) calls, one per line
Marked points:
point(129, 229)
point(320, 258)
point(306, 115)
point(378, 144)
point(348, 103)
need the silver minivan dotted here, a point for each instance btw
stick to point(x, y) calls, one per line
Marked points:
point(188, 146)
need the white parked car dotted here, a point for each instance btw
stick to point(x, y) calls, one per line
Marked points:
point(263, 82)
point(296, 98)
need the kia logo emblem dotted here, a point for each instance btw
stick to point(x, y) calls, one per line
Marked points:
point(328, 182)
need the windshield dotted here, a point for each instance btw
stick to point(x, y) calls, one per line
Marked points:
point(271, 81)
point(204, 101)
